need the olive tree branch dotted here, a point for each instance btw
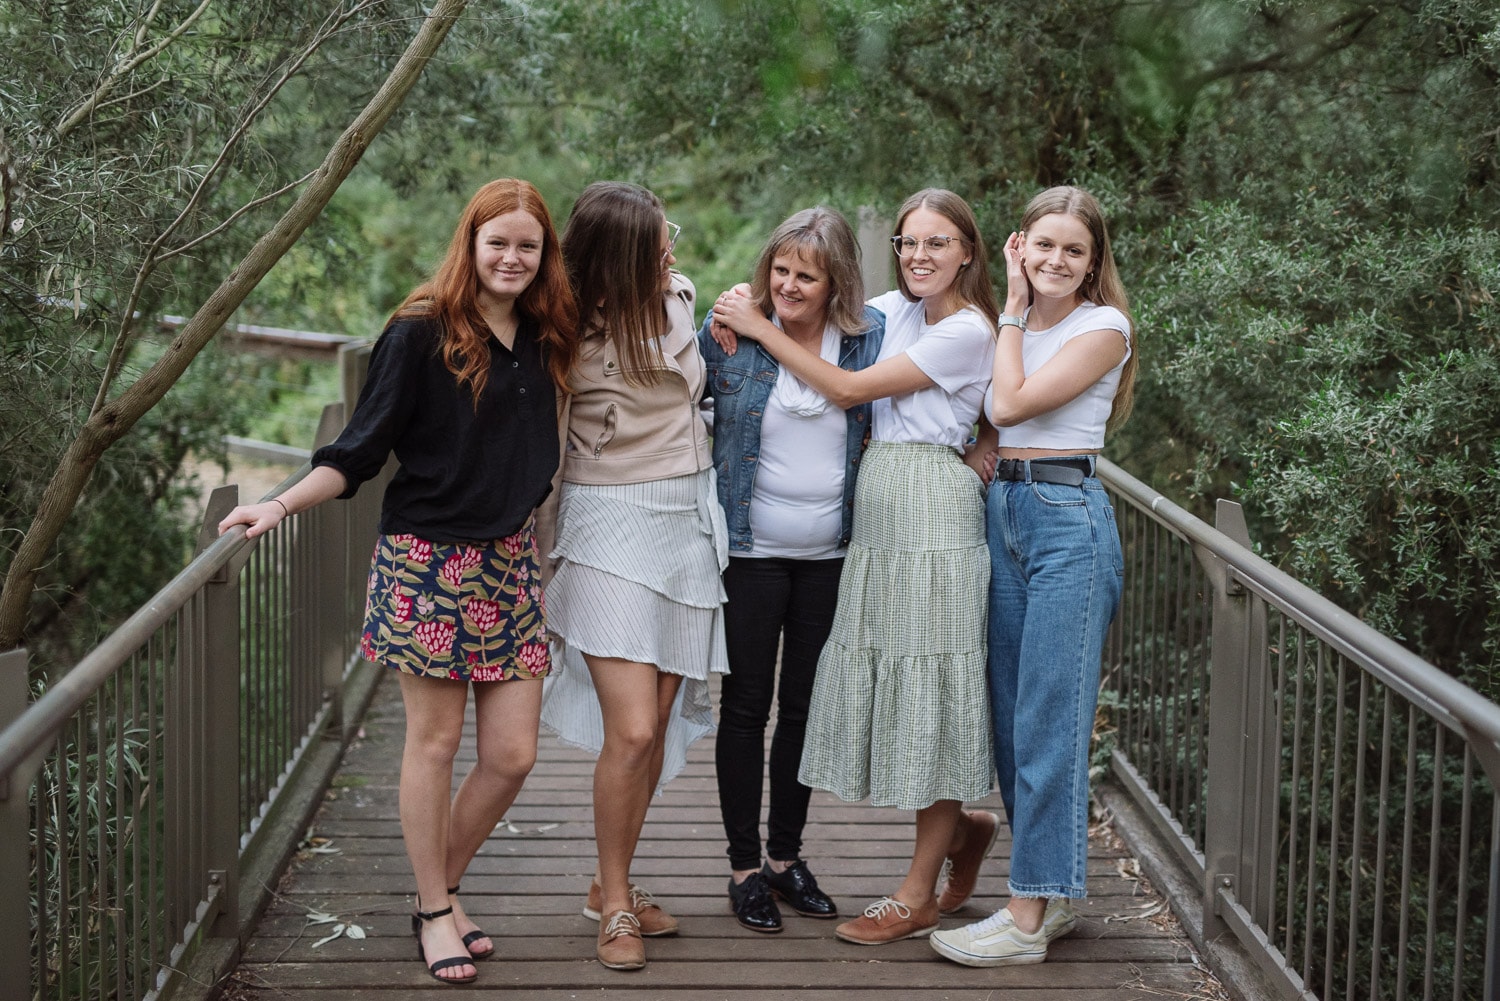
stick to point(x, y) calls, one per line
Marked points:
point(113, 421)
point(153, 257)
point(228, 221)
point(127, 64)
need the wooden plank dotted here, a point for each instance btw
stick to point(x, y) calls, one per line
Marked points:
point(244, 989)
point(393, 921)
point(748, 947)
point(667, 973)
point(527, 888)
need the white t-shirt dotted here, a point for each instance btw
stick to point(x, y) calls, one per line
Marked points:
point(955, 353)
point(1079, 423)
point(797, 503)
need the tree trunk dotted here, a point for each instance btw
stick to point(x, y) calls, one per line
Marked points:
point(117, 417)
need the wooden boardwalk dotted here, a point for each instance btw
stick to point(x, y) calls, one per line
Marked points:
point(527, 887)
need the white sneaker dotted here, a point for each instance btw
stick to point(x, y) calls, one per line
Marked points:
point(995, 941)
point(1060, 918)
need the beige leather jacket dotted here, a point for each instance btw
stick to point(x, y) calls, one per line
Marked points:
point(619, 433)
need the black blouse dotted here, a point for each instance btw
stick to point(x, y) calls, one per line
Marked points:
point(467, 474)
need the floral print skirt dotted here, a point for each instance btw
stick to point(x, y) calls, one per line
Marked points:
point(464, 611)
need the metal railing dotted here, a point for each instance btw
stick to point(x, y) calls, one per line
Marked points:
point(135, 789)
point(1332, 793)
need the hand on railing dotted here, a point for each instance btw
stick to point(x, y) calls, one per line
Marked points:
point(320, 484)
point(260, 518)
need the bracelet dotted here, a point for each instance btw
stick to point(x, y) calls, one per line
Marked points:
point(1007, 320)
point(284, 512)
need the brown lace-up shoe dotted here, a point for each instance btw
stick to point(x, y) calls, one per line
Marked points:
point(889, 920)
point(961, 869)
point(620, 946)
point(653, 921)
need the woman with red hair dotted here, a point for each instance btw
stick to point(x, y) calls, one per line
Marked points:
point(462, 389)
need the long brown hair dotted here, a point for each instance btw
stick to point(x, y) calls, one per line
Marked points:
point(973, 281)
point(612, 244)
point(451, 295)
point(824, 237)
point(1102, 284)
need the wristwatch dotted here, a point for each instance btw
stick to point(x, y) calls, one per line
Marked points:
point(1014, 321)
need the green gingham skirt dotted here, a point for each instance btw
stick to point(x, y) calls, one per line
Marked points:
point(900, 710)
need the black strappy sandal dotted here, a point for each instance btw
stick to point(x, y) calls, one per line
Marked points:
point(442, 964)
point(473, 936)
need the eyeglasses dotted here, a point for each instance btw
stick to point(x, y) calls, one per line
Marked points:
point(935, 245)
point(673, 232)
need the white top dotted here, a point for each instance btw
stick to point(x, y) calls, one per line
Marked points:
point(797, 502)
point(955, 353)
point(1079, 423)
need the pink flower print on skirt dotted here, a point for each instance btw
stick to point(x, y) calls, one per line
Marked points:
point(457, 610)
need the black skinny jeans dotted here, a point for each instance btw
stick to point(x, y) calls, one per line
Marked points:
point(769, 600)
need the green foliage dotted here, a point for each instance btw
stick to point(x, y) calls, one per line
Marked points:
point(1302, 198)
point(142, 149)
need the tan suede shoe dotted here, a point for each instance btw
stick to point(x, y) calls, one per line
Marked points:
point(889, 920)
point(962, 867)
point(654, 922)
point(620, 946)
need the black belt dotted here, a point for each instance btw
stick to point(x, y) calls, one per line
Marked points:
point(1069, 472)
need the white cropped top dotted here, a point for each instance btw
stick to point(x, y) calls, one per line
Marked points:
point(1079, 423)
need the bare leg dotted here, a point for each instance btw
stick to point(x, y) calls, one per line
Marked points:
point(434, 725)
point(936, 825)
point(1028, 912)
point(630, 696)
point(507, 715)
point(666, 696)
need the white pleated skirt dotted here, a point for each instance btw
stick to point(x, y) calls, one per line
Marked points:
point(637, 578)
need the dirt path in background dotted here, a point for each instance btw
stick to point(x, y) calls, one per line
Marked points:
point(255, 479)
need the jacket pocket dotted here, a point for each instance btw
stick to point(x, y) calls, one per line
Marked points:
point(728, 381)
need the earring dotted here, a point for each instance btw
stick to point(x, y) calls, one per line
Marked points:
point(965, 264)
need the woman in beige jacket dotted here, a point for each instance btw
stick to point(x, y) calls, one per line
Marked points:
point(635, 600)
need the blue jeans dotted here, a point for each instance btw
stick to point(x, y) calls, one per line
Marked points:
point(1055, 581)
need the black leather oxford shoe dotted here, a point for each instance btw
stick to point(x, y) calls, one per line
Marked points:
point(799, 889)
point(752, 904)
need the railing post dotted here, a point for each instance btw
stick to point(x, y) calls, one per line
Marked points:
point(1492, 931)
point(15, 828)
point(330, 544)
point(1227, 733)
point(220, 651)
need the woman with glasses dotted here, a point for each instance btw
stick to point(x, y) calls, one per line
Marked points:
point(899, 709)
point(461, 389)
point(635, 600)
point(786, 460)
point(1064, 374)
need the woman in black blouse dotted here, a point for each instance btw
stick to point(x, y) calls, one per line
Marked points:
point(462, 389)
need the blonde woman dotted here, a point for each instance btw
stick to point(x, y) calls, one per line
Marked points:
point(899, 709)
point(1064, 374)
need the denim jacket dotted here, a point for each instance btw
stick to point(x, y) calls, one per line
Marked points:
point(740, 386)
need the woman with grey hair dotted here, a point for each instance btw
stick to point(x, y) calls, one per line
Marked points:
point(899, 711)
point(786, 460)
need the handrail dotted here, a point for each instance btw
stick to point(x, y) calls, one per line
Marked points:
point(69, 693)
point(1440, 694)
point(200, 731)
point(1333, 795)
